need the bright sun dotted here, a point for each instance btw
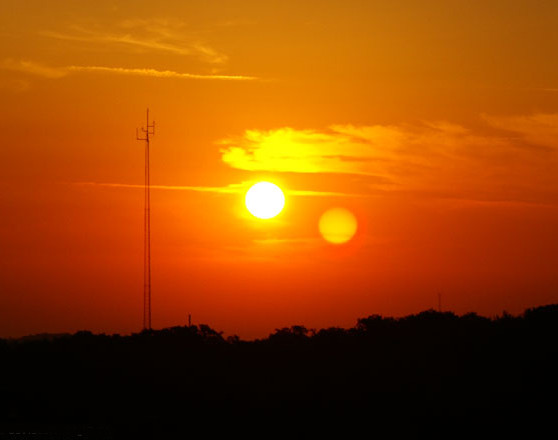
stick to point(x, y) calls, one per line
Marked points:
point(264, 200)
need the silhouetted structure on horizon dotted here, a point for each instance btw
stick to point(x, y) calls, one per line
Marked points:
point(148, 130)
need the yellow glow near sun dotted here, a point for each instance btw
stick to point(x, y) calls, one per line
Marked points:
point(338, 225)
point(264, 200)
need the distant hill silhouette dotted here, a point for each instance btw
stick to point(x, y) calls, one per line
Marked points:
point(42, 337)
point(403, 370)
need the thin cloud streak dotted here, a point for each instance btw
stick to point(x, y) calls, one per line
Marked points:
point(230, 189)
point(287, 241)
point(233, 188)
point(156, 73)
point(36, 69)
point(241, 188)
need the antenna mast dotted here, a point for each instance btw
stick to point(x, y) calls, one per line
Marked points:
point(148, 130)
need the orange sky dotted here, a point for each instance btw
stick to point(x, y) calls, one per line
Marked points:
point(434, 122)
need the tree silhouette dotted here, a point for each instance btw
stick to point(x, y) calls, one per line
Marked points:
point(407, 368)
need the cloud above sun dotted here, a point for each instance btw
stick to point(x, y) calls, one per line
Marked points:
point(513, 159)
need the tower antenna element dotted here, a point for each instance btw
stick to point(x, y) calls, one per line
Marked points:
point(147, 131)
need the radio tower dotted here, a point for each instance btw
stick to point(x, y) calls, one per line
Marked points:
point(149, 130)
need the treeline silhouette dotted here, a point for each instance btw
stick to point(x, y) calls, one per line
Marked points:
point(426, 366)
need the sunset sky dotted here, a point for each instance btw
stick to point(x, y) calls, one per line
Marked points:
point(434, 122)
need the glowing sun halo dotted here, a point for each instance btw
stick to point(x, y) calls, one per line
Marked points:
point(337, 225)
point(264, 200)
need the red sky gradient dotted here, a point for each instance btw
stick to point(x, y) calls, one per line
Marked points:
point(434, 122)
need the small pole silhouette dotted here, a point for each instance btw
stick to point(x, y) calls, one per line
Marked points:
point(440, 302)
point(149, 130)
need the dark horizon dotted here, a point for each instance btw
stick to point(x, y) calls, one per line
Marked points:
point(503, 315)
point(311, 162)
point(466, 370)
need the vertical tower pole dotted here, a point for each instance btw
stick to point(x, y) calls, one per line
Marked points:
point(148, 131)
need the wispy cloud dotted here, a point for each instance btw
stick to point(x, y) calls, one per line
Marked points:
point(33, 68)
point(537, 129)
point(287, 241)
point(155, 73)
point(229, 189)
point(347, 149)
point(428, 158)
point(141, 35)
point(37, 69)
point(233, 188)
